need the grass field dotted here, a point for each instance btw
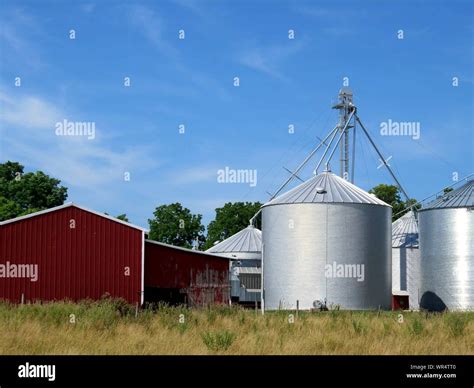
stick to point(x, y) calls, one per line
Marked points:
point(110, 327)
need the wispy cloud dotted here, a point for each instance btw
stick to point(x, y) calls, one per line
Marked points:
point(317, 12)
point(198, 174)
point(151, 25)
point(29, 112)
point(338, 31)
point(18, 30)
point(88, 7)
point(335, 22)
point(28, 134)
point(269, 59)
point(192, 6)
point(330, 14)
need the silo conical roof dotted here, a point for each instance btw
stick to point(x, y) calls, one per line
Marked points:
point(247, 240)
point(461, 197)
point(405, 232)
point(327, 188)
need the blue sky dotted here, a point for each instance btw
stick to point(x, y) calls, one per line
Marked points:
point(191, 82)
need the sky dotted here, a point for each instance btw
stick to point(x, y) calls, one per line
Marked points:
point(179, 91)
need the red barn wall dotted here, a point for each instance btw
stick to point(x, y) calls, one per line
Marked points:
point(203, 278)
point(87, 261)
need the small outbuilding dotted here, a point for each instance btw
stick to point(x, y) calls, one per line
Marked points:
point(245, 248)
point(177, 275)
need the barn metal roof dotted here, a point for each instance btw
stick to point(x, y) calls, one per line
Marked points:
point(206, 253)
point(405, 232)
point(326, 188)
point(247, 240)
point(461, 197)
point(69, 204)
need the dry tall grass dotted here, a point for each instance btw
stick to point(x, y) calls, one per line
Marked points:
point(112, 328)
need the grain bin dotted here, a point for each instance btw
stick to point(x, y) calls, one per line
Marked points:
point(245, 247)
point(406, 259)
point(326, 240)
point(447, 251)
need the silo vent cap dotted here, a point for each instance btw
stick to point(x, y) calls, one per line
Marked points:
point(320, 190)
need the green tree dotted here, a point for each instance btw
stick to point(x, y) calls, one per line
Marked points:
point(23, 193)
point(230, 219)
point(176, 225)
point(391, 194)
point(121, 217)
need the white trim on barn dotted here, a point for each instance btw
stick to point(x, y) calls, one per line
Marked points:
point(69, 204)
point(142, 297)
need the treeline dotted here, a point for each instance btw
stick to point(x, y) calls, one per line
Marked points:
point(23, 193)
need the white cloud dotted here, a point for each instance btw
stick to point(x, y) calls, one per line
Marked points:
point(79, 162)
point(191, 5)
point(194, 175)
point(18, 34)
point(88, 8)
point(151, 25)
point(29, 112)
point(269, 59)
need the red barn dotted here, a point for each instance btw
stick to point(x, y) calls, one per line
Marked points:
point(70, 252)
point(184, 276)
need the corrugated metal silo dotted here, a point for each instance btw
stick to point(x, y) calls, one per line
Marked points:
point(245, 247)
point(326, 239)
point(406, 258)
point(447, 251)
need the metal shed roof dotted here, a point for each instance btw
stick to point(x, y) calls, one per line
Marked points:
point(192, 251)
point(461, 197)
point(405, 232)
point(326, 188)
point(247, 240)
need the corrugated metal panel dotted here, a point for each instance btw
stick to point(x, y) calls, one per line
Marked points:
point(251, 281)
point(461, 197)
point(405, 231)
point(204, 278)
point(247, 240)
point(78, 255)
point(326, 188)
point(249, 270)
point(447, 258)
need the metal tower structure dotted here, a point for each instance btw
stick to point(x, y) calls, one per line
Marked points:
point(348, 118)
point(345, 107)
